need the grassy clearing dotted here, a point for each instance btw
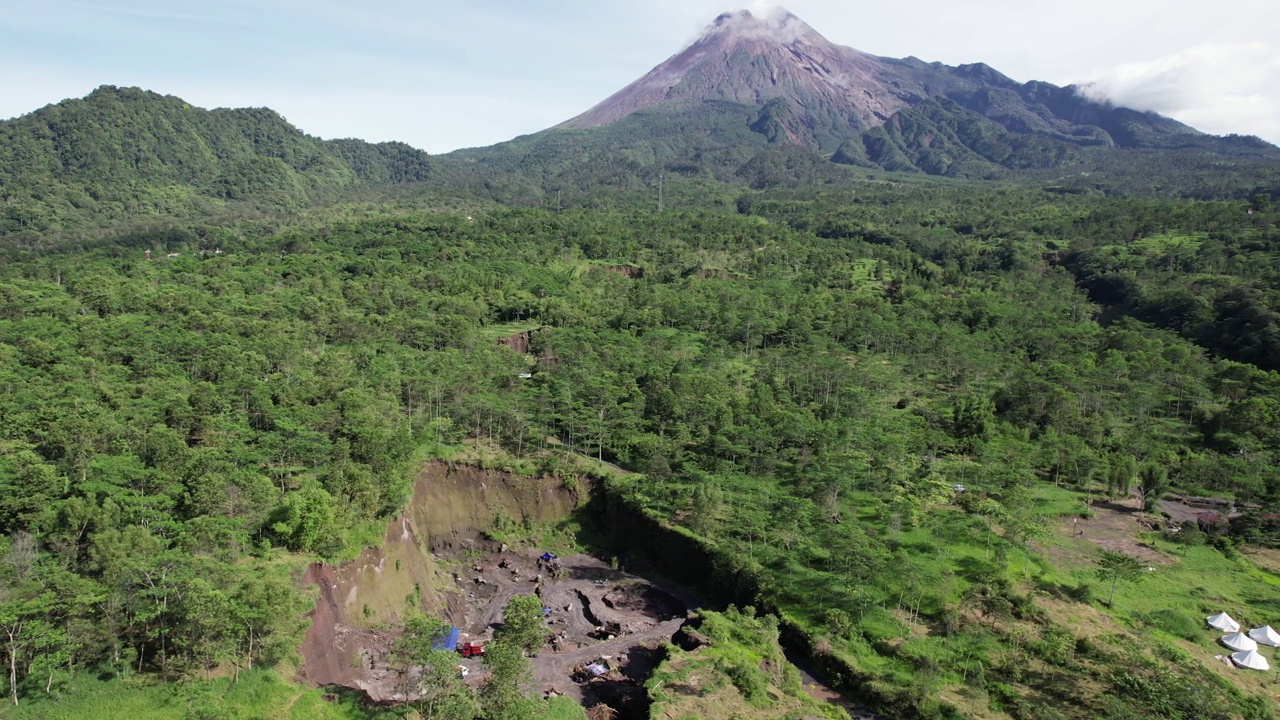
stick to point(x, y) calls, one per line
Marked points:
point(586, 266)
point(1163, 612)
point(1200, 583)
point(869, 276)
point(554, 460)
point(259, 694)
point(1169, 242)
point(1058, 502)
point(935, 623)
point(498, 331)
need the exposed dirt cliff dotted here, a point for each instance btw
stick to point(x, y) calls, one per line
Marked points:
point(360, 602)
point(454, 503)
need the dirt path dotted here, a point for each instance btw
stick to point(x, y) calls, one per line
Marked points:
point(815, 689)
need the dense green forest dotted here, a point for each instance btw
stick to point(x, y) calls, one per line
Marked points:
point(122, 160)
point(798, 378)
point(124, 153)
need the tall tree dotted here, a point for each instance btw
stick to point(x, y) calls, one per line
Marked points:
point(523, 624)
point(1153, 484)
point(1120, 475)
point(434, 686)
point(502, 696)
point(1116, 567)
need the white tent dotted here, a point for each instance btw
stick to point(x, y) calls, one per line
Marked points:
point(1239, 641)
point(1251, 660)
point(1266, 636)
point(1223, 622)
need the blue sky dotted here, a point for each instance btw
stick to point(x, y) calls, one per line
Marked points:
point(442, 75)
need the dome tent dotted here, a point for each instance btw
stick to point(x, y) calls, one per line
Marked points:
point(1223, 622)
point(1240, 642)
point(1251, 660)
point(1265, 636)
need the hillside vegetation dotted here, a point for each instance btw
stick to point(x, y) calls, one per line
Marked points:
point(800, 378)
point(123, 153)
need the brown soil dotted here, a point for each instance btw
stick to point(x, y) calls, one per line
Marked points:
point(1191, 509)
point(518, 342)
point(453, 504)
point(629, 271)
point(586, 596)
point(359, 599)
point(360, 604)
point(339, 651)
point(1115, 526)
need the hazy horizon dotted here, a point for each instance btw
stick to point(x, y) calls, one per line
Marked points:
point(458, 75)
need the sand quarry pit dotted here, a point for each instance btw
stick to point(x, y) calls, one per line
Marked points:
point(594, 612)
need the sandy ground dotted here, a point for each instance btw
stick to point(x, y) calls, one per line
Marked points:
point(585, 595)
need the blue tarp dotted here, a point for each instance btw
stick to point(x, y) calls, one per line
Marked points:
point(448, 642)
point(547, 557)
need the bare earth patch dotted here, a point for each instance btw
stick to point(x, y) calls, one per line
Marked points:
point(1266, 558)
point(1115, 526)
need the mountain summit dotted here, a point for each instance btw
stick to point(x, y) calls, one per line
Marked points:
point(752, 60)
point(809, 91)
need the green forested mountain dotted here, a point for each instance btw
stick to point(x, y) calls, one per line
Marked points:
point(125, 152)
point(122, 156)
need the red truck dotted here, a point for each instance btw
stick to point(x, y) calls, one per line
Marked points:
point(470, 650)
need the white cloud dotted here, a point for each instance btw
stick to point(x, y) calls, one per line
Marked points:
point(1219, 88)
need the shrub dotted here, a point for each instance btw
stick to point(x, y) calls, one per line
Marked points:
point(1173, 622)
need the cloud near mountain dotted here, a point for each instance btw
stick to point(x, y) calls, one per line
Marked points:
point(1218, 88)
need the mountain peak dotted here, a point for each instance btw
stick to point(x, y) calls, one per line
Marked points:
point(776, 24)
point(752, 58)
point(790, 84)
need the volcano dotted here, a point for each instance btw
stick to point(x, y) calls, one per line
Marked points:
point(752, 60)
point(815, 93)
point(768, 100)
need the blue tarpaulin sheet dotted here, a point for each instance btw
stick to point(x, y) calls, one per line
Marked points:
point(547, 557)
point(448, 642)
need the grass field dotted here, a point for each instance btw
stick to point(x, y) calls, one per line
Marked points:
point(501, 330)
point(258, 694)
point(1169, 242)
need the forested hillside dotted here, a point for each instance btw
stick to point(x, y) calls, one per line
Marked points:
point(123, 153)
point(800, 379)
point(125, 159)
